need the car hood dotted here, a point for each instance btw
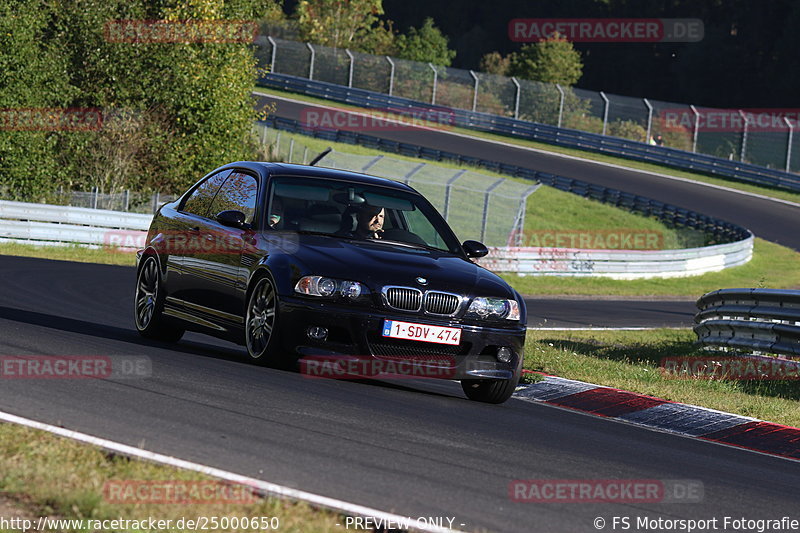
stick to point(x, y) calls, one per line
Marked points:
point(378, 264)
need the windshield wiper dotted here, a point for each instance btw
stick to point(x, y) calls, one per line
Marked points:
point(409, 244)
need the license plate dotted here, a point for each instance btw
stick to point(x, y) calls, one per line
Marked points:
point(421, 332)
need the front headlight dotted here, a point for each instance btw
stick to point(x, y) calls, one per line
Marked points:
point(322, 286)
point(494, 309)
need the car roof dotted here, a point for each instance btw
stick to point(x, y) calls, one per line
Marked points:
point(285, 169)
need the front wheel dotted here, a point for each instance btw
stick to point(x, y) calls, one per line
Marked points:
point(490, 390)
point(149, 305)
point(493, 390)
point(261, 334)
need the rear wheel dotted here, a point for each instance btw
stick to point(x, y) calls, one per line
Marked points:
point(149, 305)
point(261, 334)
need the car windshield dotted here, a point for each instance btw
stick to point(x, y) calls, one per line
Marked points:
point(358, 211)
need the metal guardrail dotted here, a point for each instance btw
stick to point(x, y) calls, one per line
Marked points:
point(569, 138)
point(57, 224)
point(619, 264)
point(756, 320)
point(722, 231)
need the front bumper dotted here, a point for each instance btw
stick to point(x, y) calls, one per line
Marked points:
point(354, 333)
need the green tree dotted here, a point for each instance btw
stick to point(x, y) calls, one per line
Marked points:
point(495, 63)
point(550, 61)
point(33, 75)
point(380, 40)
point(338, 23)
point(426, 44)
point(173, 110)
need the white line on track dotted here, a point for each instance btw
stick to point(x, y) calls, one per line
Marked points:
point(540, 151)
point(264, 487)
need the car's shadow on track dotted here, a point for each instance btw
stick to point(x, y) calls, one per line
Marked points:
point(192, 347)
point(105, 331)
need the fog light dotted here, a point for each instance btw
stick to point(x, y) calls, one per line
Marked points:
point(317, 333)
point(504, 354)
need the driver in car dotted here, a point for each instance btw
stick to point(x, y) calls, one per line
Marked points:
point(370, 222)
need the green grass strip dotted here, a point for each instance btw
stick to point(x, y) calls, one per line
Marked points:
point(48, 475)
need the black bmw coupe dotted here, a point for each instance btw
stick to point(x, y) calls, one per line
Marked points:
point(299, 262)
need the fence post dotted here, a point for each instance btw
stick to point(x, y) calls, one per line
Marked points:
point(274, 50)
point(696, 127)
point(649, 120)
point(475, 91)
point(516, 98)
point(744, 136)
point(291, 149)
point(305, 155)
point(264, 135)
point(486, 207)
point(311, 66)
point(561, 104)
point(391, 75)
point(448, 186)
point(518, 232)
point(605, 111)
point(789, 143)
point(352, 62)
point(407, 177)
point(278, 144)
point(127, 199)
point(435, 79)
point(94, 198)
point(371, 163)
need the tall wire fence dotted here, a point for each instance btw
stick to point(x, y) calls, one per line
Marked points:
point(130, 201)
point(762, 137)
point(475, 205)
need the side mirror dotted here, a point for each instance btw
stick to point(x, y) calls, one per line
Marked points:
point(474, 249)
point(232, 219)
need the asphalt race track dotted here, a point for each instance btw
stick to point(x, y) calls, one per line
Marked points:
point(415, 448)
point(767, 219)
point(583, 313)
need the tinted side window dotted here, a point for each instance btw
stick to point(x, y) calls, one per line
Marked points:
point(200, 200)
point(239, 193)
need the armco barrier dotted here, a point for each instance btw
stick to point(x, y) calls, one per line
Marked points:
point(619, 264)
point(755, 320)
point(56, 224)
point(722, 232)
point(593, 142)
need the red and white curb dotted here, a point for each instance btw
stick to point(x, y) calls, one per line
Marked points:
point(664, 415)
